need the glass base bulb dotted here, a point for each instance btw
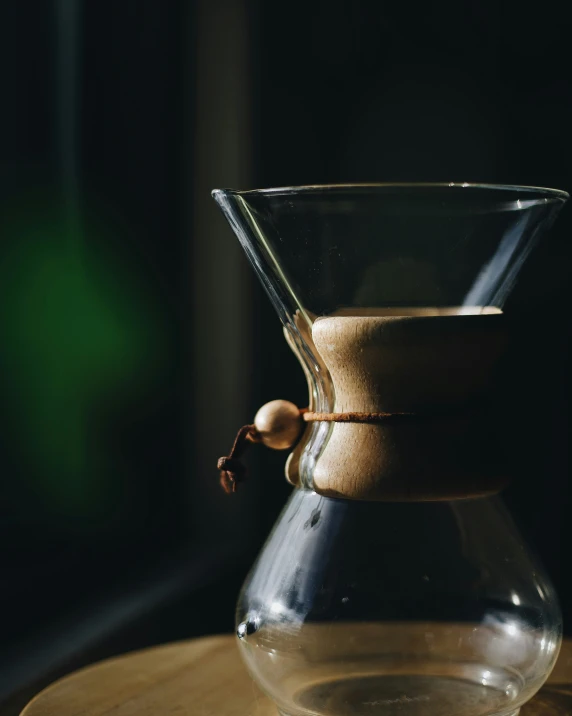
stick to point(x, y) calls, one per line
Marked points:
point(429, 608)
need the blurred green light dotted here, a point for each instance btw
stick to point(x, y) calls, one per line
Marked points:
point(76, 334)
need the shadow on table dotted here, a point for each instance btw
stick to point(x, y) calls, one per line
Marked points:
point(552, 700)
point(555, 698)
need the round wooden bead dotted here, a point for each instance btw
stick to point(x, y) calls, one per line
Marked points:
point(279, 424)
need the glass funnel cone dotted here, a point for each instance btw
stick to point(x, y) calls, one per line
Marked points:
point(452, 247)
point(394, 582)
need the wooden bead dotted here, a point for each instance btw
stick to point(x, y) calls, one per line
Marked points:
point(279, 424)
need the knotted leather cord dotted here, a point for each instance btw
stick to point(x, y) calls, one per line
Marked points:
point(233, 470)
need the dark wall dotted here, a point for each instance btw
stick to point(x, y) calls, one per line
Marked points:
point(93, 216)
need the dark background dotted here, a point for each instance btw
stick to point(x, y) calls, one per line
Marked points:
point(133, 337)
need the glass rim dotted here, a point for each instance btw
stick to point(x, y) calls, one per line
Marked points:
point(541, 192)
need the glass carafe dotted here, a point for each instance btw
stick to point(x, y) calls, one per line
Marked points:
point(395, 582)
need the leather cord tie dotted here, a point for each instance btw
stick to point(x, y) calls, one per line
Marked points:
point(232, 469)
point(357, 417)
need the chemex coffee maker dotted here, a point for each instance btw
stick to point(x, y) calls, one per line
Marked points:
point(394, 582)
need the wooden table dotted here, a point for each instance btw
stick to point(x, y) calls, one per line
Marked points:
point(206, 677)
